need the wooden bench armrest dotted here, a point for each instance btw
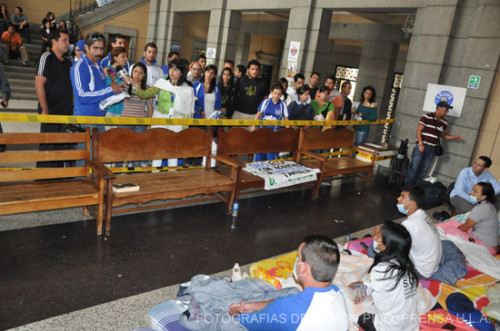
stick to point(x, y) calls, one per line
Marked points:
point(101, 170)
point(228, 160)
point(313, 155)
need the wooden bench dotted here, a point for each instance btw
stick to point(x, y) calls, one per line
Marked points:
point(34, 189)
point(239, 141)
point(313, 139)
point(119, 145)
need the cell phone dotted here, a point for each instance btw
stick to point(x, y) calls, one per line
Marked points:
point(363, 245)
point(4, 104)
point(448, 326)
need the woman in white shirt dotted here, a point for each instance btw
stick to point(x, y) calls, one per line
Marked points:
point(392, 282)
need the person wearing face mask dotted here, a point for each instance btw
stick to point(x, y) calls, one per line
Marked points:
point(468, 177)
point(392, 282)
point(320, 306)
point(433, 258)
point(482, 224)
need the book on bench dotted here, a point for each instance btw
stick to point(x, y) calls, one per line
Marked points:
point(124, 188)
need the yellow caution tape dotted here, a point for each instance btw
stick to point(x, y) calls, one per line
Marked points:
point(35, 118)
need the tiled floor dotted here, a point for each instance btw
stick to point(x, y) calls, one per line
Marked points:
point(55, 269)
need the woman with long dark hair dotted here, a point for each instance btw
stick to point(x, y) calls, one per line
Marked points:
point(175, 98)
point(482, 224)
point(226, 85)
point(367, 111)
point(207, 92)
point(392, 282)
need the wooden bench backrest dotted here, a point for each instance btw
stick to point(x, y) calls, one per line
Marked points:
point(315, 139)
point(238, 141)
point(18, 156)
point(121, 144)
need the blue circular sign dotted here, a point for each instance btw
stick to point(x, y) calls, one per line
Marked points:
point(444, 96)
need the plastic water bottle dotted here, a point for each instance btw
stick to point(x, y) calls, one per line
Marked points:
point(234, 215)
point(348, 237)
point(236, 206)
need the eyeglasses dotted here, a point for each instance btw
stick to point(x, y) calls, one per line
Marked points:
point(197, 69)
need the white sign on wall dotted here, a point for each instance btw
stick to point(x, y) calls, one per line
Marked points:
point(293, 52)
point(455, 96)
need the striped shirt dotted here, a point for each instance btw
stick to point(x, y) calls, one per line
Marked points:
point(433, 128)
point(136, 107)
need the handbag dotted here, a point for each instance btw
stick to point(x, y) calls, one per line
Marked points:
point(439, 149)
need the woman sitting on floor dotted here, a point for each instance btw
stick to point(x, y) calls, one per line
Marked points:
point(392, 282)
point(482, 224)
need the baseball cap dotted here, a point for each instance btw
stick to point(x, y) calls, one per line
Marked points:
point(80, 45)
point(444, 104)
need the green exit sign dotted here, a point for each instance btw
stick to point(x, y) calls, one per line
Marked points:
point(474, 81)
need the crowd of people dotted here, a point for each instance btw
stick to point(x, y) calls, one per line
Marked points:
point(106, 85)
point(95, 84)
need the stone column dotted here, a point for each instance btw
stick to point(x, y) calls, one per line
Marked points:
point(223, 33)
point(426, 57)
point(165, 27)
point(376, 68)
point(474, 49)
point(243, 48)
point(311, 27)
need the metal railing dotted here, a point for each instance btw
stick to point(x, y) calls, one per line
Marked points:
point(82, 6)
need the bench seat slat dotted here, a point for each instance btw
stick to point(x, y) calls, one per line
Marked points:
point(339, 165)
point(172, 183)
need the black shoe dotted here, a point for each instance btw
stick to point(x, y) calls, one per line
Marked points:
point(438, 216)
point(445, 215)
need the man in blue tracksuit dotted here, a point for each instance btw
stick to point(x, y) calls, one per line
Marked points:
point(88, 80)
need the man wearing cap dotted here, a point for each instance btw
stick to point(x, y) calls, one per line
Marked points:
point(79, 50)
point(430, 128)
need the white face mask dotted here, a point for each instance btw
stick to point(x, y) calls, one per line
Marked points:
point(374, 245)
point(295, 268)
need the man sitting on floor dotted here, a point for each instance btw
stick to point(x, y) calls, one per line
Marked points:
point(433, 258)
point(468, 177)
point(320, 306)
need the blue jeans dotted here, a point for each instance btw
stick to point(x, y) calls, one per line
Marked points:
point(265, 156)
point(360, 137)
point(420, 163)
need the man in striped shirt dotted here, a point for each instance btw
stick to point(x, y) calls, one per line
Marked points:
point(430, 128)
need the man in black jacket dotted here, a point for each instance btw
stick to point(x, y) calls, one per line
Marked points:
point(250, 90)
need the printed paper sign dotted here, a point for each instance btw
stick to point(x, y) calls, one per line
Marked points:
point(211, 53)
point(293, 52)
point(291, 70)
point(278, 174)
point(455, 96)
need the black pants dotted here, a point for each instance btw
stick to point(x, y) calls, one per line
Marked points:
point(2, 147)
point(49, 127)
point(366, 322)
point(24, 32)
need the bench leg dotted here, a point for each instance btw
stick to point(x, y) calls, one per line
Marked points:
point(316, 186)
point(109, 207)
point(85, 211)
point(368, 177)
